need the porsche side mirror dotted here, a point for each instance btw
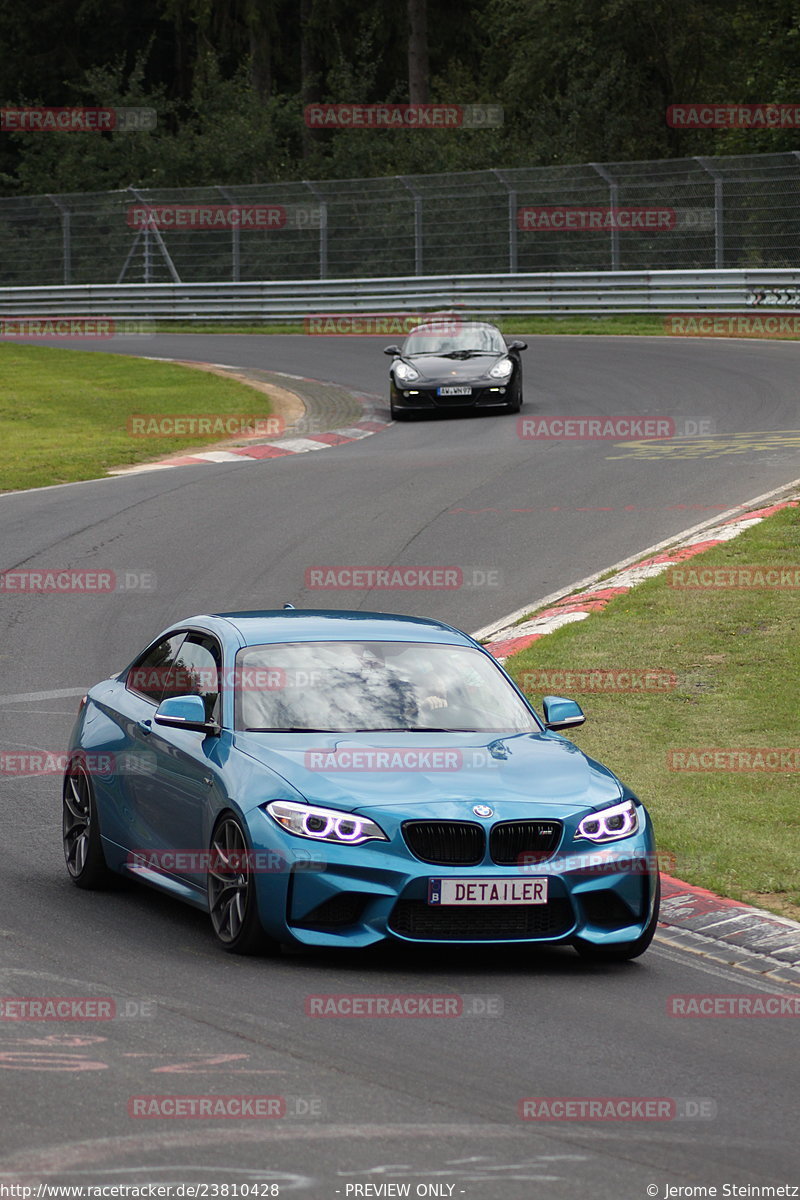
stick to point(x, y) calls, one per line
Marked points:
point(394, 350)
point(560, 713)
point(185, 712)
point(517, 345)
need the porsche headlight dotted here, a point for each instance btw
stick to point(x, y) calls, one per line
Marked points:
point(610, 824)
point(502, 369)
point(405, 372)
point(324, 824)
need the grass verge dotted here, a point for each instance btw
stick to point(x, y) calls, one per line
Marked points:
point(735, 657)
point(633, 323)
point(64, 413)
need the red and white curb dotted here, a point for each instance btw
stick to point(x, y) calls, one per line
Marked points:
point(372, 422)
point(732, 931)
point(574, 605)
point(258, 452)
point(725, 930)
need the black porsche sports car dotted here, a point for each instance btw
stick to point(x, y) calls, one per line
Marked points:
point(446, 365)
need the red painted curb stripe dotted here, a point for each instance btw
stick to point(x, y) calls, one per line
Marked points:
point(267, 451)
point(511, 645)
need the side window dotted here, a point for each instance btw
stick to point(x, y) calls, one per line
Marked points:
point(196, 672)
point(148, 676)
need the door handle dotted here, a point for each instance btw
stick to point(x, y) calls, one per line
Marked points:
point(145, 726)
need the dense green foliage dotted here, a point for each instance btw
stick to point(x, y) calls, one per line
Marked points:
point(580, 80)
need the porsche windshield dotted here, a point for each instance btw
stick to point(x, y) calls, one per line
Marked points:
point(454, 339)
point(345, 687)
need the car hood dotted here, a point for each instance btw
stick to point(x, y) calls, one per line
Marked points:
point(452, 370)
point(358, 771)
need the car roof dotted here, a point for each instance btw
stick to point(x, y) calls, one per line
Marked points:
point(290, 625)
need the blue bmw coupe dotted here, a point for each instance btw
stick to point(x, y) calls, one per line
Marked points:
point(346, 778)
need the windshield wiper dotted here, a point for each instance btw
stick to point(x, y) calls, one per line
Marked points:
point(290, 729)
point(412, 729)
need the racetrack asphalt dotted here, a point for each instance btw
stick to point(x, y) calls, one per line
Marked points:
point(425, 1101)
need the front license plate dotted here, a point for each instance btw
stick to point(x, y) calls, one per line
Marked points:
point(487, 891)
point(454, 391)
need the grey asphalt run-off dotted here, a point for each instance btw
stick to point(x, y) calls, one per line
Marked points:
point(423, 1101)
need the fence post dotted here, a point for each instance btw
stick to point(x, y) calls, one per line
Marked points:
point(323, 228)
point(417, 223)
point(613, 200)
point(513, 261)
point(719, 212)
point(236, 239)
point(66, 237)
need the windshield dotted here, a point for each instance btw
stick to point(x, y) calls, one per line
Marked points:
point(449, 339)
point(345, 687)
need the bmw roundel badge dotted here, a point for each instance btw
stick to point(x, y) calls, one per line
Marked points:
point(483, 810)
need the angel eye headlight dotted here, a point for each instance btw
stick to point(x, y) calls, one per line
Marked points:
point(502, 369)
point(610, 824)
point(405, 372)
point(324, 824)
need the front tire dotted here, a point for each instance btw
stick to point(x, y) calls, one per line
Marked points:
point(628, 950)
point(80, 831)
point(516, 404)
point(232, 904)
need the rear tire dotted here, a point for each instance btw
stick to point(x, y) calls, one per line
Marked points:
point(232, 903)
point(628, 950)
point(80, 832)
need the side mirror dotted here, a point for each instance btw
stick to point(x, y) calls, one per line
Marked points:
point(185, 712)
point(561, 714)
point(517, 345)
point(393, 350)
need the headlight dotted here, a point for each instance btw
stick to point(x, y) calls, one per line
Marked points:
point(405, 372)
point(612, 823)
point(502, 369)
point(324, 824)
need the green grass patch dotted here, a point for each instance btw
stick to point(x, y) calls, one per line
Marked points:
point(735, 656)
point(64, 413)
point(633, 323)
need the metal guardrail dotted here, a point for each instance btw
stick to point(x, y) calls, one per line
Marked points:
point(560, 294)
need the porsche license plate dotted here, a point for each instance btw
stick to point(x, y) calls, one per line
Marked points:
point(487, 891)
point(452, 390)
